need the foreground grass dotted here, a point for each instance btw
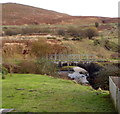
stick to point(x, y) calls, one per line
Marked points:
point(47, 94)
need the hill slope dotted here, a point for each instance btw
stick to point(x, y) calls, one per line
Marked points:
point(18, 14)
point(48, 94)
point(22, 14)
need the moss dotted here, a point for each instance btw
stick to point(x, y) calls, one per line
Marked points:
point(67, 68)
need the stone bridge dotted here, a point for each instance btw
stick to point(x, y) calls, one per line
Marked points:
point(86, 61)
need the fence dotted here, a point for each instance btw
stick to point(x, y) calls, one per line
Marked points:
point(114, 87)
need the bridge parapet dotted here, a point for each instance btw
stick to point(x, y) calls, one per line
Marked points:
point(73, 57)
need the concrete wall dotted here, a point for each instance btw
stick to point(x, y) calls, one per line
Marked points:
point(118, 100)
point(115, 91)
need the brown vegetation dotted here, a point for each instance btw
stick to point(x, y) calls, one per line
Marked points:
point(18, 14)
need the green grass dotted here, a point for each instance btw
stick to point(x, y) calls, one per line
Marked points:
point(48, 94)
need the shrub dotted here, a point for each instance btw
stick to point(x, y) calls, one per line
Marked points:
point(96, 24)
point(51, 38)
point(93, 68)
point(45, 66)
point(40, 66)
point(97, 42)
point(65, 38)
point(77, 38)
point(61, 32)
point(59, 40)
point(12, 50)
point(40, 48)
point(90, 32)
point(75, 32)
point(12, 31)
point(11, 68)
point(103, 21)
point(111, 46)
point(27, 66)
point(4, 72)
point(102, 78)
point(46, 30)
point(30, 30)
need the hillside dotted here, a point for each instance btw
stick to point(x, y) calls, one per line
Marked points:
point(38, 93)
point(18, 14)
point(15, 14)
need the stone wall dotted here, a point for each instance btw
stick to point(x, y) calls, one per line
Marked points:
point(114, 88)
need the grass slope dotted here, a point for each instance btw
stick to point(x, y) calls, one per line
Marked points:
point(48, 94)
point(87, 47)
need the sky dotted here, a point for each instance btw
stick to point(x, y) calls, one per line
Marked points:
point(104, 8)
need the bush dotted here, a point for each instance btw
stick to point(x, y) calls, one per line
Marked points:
point(41, 48)
point(35, 29)
point(51, 38)
point(40, 66)
point(61, 32)
point(77, 38)
point(93, 68)
point(96, 24)
point(97, 42)
point(45, 66)
point(11, 68)
point(90, 32)
point(12, 31)
point(104, 21)
point(75, 32)
point(65, 38)
point(4, 72)
point(11, 50)
point(111, 46)
point(108, 45)
point(26, 30)
point(102, 79)
point(27, 66)
point(46, 30)
point(30, 30)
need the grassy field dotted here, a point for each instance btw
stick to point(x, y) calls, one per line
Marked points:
point(37, 93)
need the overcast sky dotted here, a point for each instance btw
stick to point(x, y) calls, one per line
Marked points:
point(105, 8)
